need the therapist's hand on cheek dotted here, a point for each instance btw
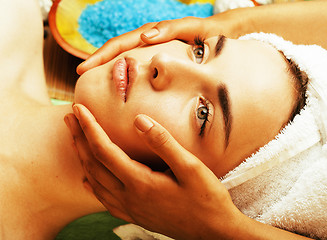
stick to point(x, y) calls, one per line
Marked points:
point(187, 203)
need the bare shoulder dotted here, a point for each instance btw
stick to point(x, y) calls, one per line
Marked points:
point(21, 19)
point(21, 45)
point(21, 28)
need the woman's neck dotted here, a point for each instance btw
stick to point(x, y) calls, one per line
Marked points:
point(45, 181)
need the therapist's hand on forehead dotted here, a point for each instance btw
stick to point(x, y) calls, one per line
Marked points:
point(185, 29)
point(182, 203)
point(294, 23)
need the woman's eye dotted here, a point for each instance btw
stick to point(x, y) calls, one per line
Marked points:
point(198, 54)
point(202, 114)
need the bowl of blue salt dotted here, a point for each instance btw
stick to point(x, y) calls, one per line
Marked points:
point(82, 26)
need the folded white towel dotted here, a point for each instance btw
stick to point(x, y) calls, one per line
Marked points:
point(284, 184)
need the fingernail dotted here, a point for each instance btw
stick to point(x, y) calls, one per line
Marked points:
point(76, 111)
point(151, 33)
point(143, 123)
point(79, 66)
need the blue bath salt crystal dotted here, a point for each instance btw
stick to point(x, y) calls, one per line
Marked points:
point(110, 18)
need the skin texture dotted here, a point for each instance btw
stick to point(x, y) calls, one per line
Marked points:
point(115, 182)
point(41, 187)
point(202, 208)
point(171, 85)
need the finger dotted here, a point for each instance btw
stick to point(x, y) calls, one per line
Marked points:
point(108, 153)
point(108, 51)
point(113, 47)
point(108, 200)
point(184, 29)
point(93, 167)
point(102, 193)
point(164, 145)
point(102, 175)
point(80, 142)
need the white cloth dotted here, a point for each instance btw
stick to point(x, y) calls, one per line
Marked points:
point(134, 232)
point(284, 184)
point(224, 5)
point(45, 6)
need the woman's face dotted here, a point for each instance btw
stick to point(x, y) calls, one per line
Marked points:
point(221, 100)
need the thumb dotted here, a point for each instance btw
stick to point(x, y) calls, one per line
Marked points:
point(182, 29)
point(165, 146)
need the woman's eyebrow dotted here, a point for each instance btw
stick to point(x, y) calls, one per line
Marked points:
point(220, 44)
point(224, 102)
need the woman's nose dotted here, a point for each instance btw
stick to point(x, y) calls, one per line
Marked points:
point(161, 72)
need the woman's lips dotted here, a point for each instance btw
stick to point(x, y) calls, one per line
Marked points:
point(124, 73)
point(120, 77)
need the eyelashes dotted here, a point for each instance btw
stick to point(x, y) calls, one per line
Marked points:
point(203, 113)
point(199, 41)
point(203, 110)
point(198, 49)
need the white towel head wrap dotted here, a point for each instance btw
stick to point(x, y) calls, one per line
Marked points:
point(284, 184)
point(308, 128)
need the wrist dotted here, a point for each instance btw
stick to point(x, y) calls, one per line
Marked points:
point(248, 228)
point(226, 225)
point(238, 227)
point(234, 23)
